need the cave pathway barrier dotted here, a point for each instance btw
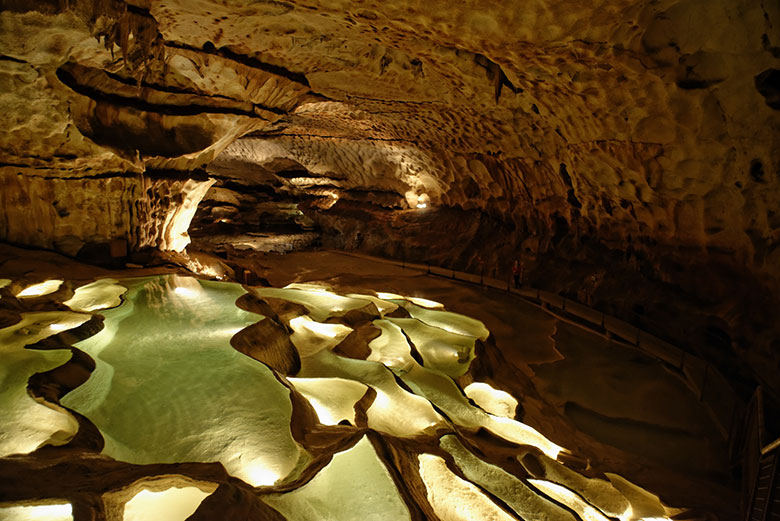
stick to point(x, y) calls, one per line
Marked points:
point(761, 465)
point(712, 388)
point(765, 496)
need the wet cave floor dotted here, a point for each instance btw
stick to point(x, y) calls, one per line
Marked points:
point(348, 389)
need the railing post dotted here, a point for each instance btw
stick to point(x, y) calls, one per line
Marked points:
point(704, 381)
point(770, 494)
point(732, 426)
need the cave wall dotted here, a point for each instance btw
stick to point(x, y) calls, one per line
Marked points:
point(629, 120)
point(92, 88)
point(70, 213)
point(95, 104)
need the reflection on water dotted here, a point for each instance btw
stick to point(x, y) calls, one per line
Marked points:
point(168, 387)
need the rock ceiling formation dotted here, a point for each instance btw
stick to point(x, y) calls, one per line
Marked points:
point(653, 120)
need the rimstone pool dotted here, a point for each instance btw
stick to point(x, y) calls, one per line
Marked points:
point(376, 420)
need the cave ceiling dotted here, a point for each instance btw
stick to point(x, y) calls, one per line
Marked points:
point(655, 119)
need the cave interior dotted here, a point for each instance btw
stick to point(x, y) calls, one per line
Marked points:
point(258, 260)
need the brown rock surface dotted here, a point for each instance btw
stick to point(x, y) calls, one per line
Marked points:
point(621, 118)
point(65, 214)
point(268, 342)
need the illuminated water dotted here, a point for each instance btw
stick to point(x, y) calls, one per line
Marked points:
point(168, 387)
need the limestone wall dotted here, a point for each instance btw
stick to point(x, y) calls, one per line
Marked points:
point(67, 214)
point(651, 122)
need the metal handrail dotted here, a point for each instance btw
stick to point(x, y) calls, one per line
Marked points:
point(769, 448)
point(761, 472)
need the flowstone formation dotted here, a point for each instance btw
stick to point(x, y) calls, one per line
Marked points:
point(372, 421)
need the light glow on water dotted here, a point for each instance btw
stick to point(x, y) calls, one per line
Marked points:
point(28, 424)
point(208, 402)
point(389, 296)
point(54, 512)
point(494, 401)
point(384, 307)
point(173, 504)
point(311, 337)
point(449, 353)
point(448, 321)
point(333, 399)
point(259, 475)
point(354, 486)
point(505, 486)
point(320, 302)
point(168, 388)
point(394, 411)
point(522, 434)
point(58, 327)
point(101, 294)
point(185, 292)
point(422, 302)
point(570, 499)
point(43, 288)
point(453, 498)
